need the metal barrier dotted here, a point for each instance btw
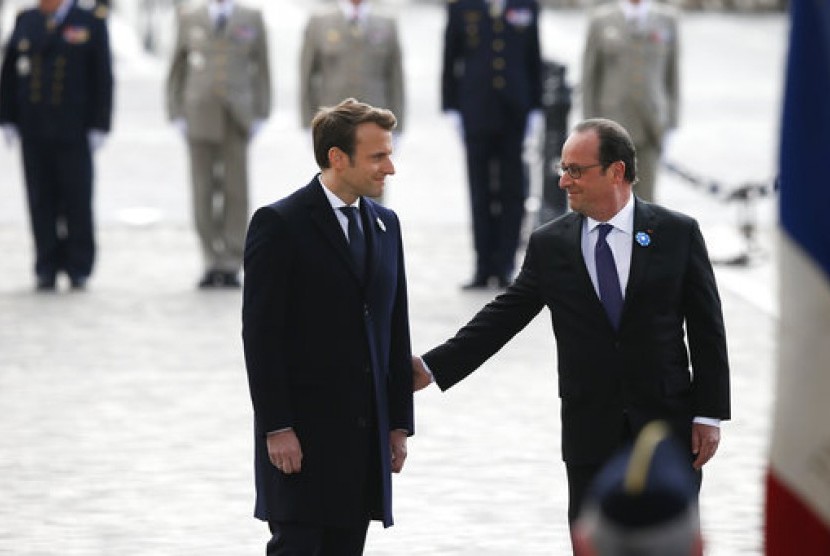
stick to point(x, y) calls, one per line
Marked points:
point(746, 195)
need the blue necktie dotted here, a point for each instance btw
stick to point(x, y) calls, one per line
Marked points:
point(609, 282)
point(357, 243)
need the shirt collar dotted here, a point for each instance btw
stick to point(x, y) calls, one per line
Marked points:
point(335, 201)
point(350, 11)
point(636, 11)
point(220, 8)
point(623, 220)
point(63, 9)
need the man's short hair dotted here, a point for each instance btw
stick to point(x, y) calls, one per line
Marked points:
point(614, 144)
point(336, 126)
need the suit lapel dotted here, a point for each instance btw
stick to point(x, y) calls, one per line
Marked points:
point(323, 217)
point(644, 221)
point(373, 227)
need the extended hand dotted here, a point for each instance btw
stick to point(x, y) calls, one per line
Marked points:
point(284, 451)
point(397, 440)
point(421, 378)
point(705, 440)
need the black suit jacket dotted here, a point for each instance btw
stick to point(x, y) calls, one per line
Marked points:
point(643, 371)
point(326, 355)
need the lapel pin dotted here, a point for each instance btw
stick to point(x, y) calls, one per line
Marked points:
point(643, 239)
point(381, 225)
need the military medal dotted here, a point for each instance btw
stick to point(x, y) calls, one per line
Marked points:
point(24, 66)
point(196, 60)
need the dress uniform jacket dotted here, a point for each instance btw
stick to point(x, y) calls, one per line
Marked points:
point(218, 74)
point(327, 354)
point(56, 86)
point(492, 65)
point(341, 59)
point(630, 72)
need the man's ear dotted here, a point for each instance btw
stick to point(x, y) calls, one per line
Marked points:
point(337, 157)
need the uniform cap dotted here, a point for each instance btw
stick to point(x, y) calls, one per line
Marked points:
point(647, 484)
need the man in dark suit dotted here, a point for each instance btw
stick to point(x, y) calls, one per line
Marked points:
point(56, 90)
point(491, 78)
point(326, 335)
point(625, 281)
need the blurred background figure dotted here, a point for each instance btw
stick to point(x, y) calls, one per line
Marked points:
point(631, 74)
point(56, 90)
point(491, 85)
point(219, 96)
point(350, 50)
point(643, 503)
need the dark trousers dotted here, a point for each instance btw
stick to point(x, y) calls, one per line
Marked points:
point(498, 190)
point(293, 539)
point(59, 191)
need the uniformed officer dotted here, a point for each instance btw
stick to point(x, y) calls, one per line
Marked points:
point(350, 50)
point(644, 501)
point(56, 90)
point(492, 78)
point(219, 95)
point(631, 74)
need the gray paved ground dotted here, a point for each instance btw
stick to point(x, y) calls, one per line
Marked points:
point(125, 423)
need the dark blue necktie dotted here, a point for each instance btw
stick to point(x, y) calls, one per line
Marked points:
point(357, 243)
point(609, 282)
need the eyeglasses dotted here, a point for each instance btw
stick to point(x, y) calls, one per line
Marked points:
point(574, 170)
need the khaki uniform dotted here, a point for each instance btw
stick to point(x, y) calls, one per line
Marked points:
point(220, 84)
point(341, 59)
point(630, 74)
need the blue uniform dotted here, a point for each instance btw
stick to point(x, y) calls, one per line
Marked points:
point(492, 77)
point(56, 86)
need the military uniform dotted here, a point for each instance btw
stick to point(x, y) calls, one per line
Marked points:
point(631, 74)
point(56, 87)
point(219, 83)
point(492, 77)
point(342, 59)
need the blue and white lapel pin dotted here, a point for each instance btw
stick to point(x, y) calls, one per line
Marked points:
point(643, 239)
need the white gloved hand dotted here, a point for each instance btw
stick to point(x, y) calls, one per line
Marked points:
point(668, 143)
point(181, 126)
point(10, 134)
point(96, 139)
point(457, 122)
point(256, 127)
point(535, 124)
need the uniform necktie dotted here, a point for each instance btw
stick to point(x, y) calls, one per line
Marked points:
point(221, 21)
point(609, 282)
point(357, 242)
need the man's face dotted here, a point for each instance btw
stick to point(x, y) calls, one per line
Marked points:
point(49, 6)
point(596, 192)
point(365, 174)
